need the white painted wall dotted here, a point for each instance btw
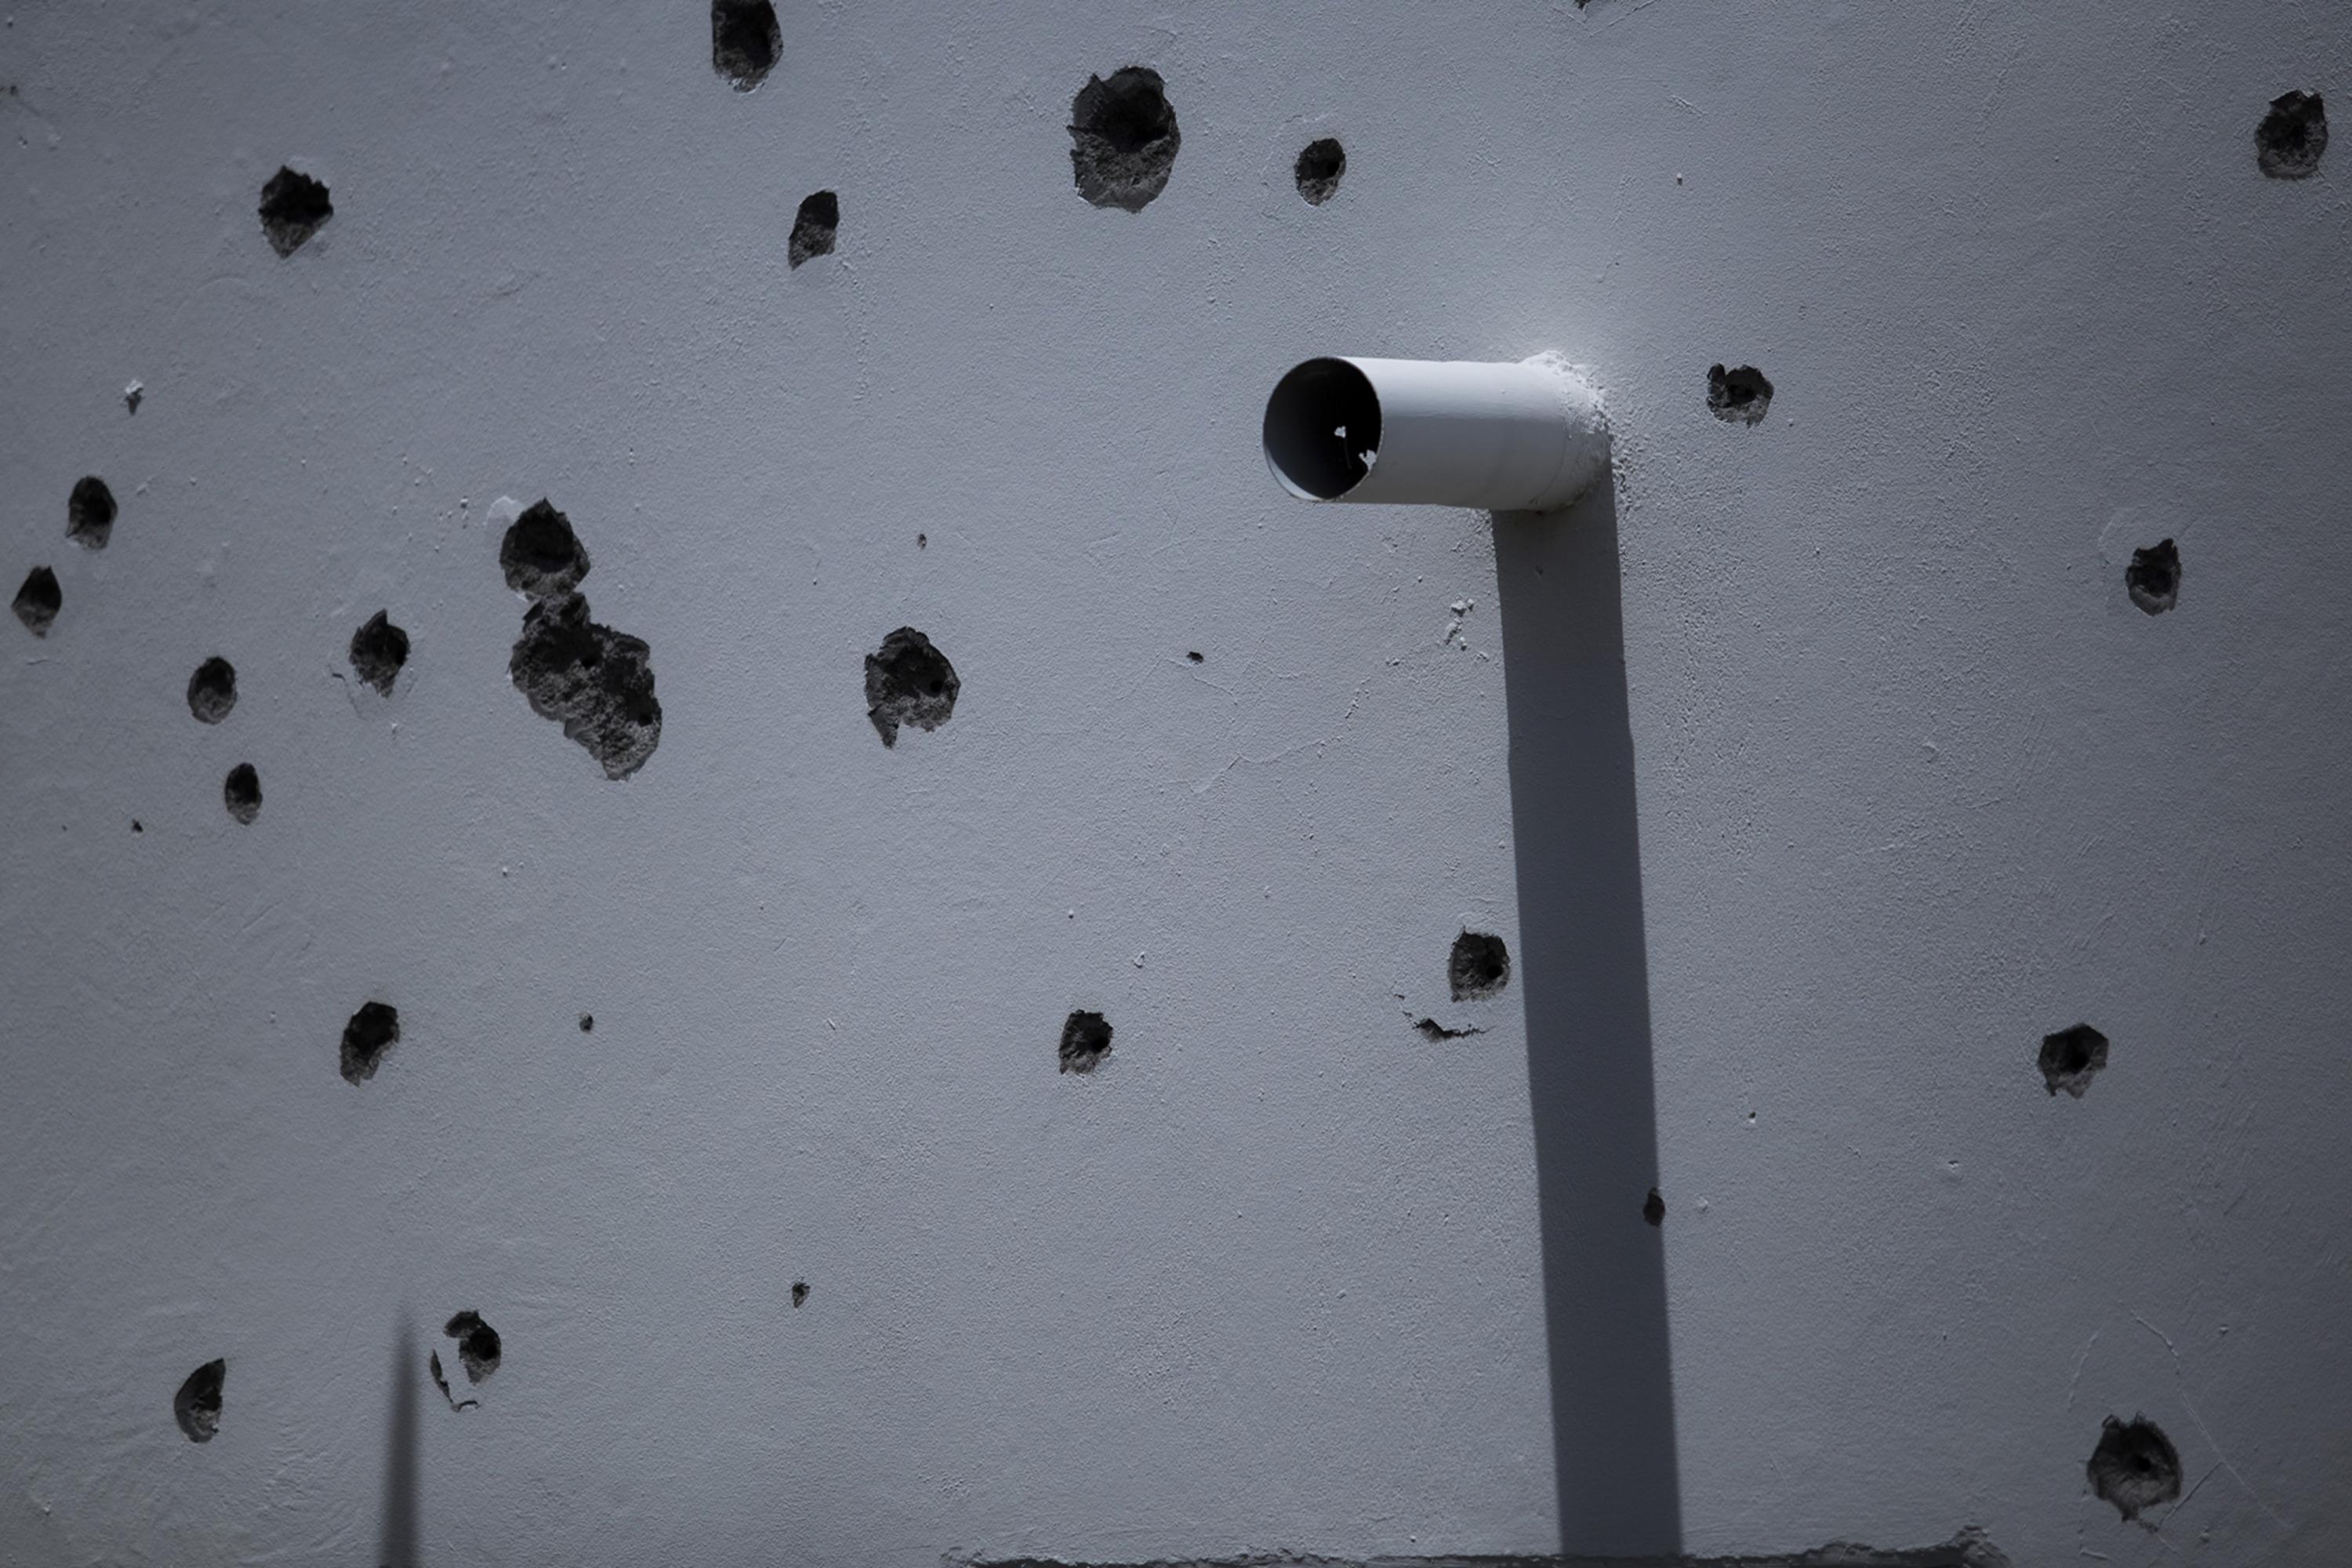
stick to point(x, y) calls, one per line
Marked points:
point(1915, 785)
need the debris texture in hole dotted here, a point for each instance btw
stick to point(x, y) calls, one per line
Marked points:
point(1123, 138)
point(89, 513)
point(814, 229)
point(478, 1346)
point(2292, 136)
point(294, 206)
point(1086, 1040)
point(1479, 965)
point(746, 41)
point(197, 1405)
point(378, 650)
point(541, 556)
point(1738, 396)
point(241, 793)
point(597, 682)
point(211, 690)
point(374, 1030)
point(36, 604)
point(1321, 164)
point(2135, 1467)
point(909, 682)
point(2153, 578)
point(2071, 1057)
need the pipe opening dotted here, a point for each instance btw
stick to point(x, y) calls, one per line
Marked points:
point(1322, 431)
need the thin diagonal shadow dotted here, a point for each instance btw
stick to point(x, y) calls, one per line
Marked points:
point(397, 1547)
point(1584, 971)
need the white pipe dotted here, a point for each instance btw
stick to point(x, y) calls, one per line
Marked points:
point(1529, 436)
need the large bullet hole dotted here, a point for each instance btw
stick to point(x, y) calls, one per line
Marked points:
point(374, 1030)
point(1738, 396)
point(1123, 138)
point(478, 1344)
point(814, 229)
point(1086, 1040)
point(241, 793)
point(746, 41)
point(36, 604)
point(908, 682)
point(2071, 1058)
point(378, 650)
point(197, 1405)
point(1654, 1208)
point(2135, 1467)
point(599, 683)
point(293, 208)
point(2153, 578)
point(1480, 965)
point(89, 513)
point(541, 556)
point(2292, 136)
point(1321, 164)
point(211, 690)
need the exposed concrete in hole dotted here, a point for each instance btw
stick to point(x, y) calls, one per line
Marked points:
point(2071, 1058)
point(599, 683)
point(1479, 965)
point(479, 1345)
point(746, 41)
point(241, 793)
point(1123, 138)
point(1968, 1548)
point(1740, 396)
point(908, 682)
point(197, 1407)
point(1321, 164)
point(211, 690)
point(540, 554)
point(378, 651)
point(814, 228)
point(1086, 1040)
point(374, 1030)
point(90, 512)
point(2134, 1465)
point(2289, 142)
point(294, 206)
point(2153, 578)
point(36, 602)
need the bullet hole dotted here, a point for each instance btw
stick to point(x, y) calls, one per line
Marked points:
point(197, 1405)
point(1479, 965)
point(441, 1382)
point(1123, 138)
point(1654, 1208)
point(814, 229)
point(241, 793)
point(599, 683)
point(541, 556)
point(374, 1030)
point(378, 650)
point(1321, 164)
point(293, 208)
point(136, 827)
point(922, 541)
point(1086, 1040)
point(478, 1344)
point(746, 41)
point(1197, 657)
point(211, 690)
point(89, 513)
point(799, 1292)
point(1430, 1029)
point(1738, 396)
point(908, 682)
point(2071, 1058)
point(36, 604)
point(2153, 578)
point(133, 396)
point(2292, 136)
point(2135, 1467)
point(587, 1023)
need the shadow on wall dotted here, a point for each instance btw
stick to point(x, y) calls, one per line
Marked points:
point(397, 1546)
point(1585, 978)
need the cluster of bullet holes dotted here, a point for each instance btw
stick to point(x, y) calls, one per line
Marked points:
point(294, 206)
point(2071, 1058)
point(800, 1292)
point(2153, 578)
point(2135, 1467)
point(814, 228)
point(89, 513)
point(1738, 396)
point(598, 683)
point(2292, 136)
point(746, 41)
point(1479, 965)
point(241, 793)
point(374, 1030)
point(1123, 138)
point(379, 649)
point(197, 1404)
point(1321, 164)
point(1086, 1040)
point(908, 682)
point(211, 690)
point(36, 604)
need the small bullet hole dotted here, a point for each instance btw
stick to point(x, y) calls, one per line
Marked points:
point(746, 41)
point(599, 683)
point(1654, 1208)
point(799, 1292)
point(1196, 657)
point(197, 1405)
point(909, 682)
point(2153, 578)
point(1321, 164)
point(89, 513)
point(378, 650)
point(374, 1030)
point(587, 1023)
point(2135, 1467)
point(36, 604)
point(133, 396)
point(1479, 965)
point(814, 229)
point(478, 1344)
point(2292, 136)
point(211, 690)
point(293, 207)
point(1738, 396)
point(2071, 1058)
point(922, 541)
point(541, 556)
point(1086, 1040)
point(1123, 138)
point(135, 827)
point(241, 793)
point(1430, 1029)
